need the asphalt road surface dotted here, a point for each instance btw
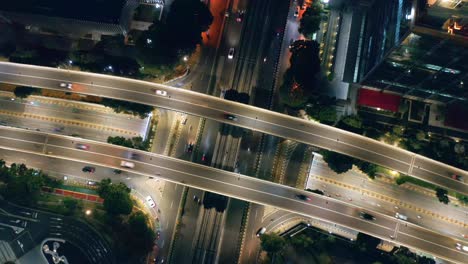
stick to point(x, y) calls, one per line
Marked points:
point(250, 117)
point(44, 151)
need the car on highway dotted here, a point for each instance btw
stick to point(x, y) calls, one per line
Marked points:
point(401, 216)
point(296, 12)
point(231, 53)
point(261, 231)
point(150, 201)
point(88, 169)
point(291, 43)
point(240, 16)
point(303, 197)
point(190, 147)
point(127, 164)
point(230, 117)
point(457, 177)
point(66, 85)
point(161, 92)
point(366, 216)
point(135, 156)
point(459, 246)
point(82, 146)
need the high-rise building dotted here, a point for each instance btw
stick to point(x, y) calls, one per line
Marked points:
point(429, 59)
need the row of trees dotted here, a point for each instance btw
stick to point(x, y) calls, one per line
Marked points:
point(133, 233)
point(23, 185)
point(126, 107)
point(135, 142)
point(312, 243)
point(164, 44)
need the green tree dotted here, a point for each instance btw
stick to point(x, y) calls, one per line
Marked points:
point(24, 91)
point(310, 21)
point(368, 168)
point(141, 236)
point(301, 242)
point(338, 163)
point(305, 63)
point(442, 195)
point(135, 109)
point(272, 243)
point(71, 205)
point(164, 43)
point(116, 197)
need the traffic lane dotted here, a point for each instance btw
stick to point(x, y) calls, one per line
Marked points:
point(143, 92)
point(258, 110)
point(441, 179)
point(299, 207)
point(22, 134)
point(428, 236)
point(449, 253)
point(437, 168)
point(25, 145)
point(174, 170)
point(161, 162)
point(388, 208)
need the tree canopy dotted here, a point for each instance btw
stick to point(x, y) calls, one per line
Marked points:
point(24, 91)
point(116, 197)
point(310, 21)
point(272, 243)
point(164, 43)
point(337, 162)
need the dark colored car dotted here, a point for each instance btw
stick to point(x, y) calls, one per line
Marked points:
point(240, 16)
point(366, 216)
point(230, 117)
point(190, 148)
point(88, 169)
point(303, 197)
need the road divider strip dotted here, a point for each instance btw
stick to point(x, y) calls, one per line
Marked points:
point(69, 122)
point(393, 200)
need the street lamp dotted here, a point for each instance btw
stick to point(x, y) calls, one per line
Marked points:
point(185, 58)
point(88, 212)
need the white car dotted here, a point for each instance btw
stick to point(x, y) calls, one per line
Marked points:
point(161, 92)
point(261, 231)
point(127, 164)
point(150, 201)
point(461, 247)
point(66, 85)
point(231, 53)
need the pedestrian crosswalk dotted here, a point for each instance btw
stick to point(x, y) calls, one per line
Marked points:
point(6, 252)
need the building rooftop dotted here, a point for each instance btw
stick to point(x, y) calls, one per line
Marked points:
point(104, 11)
point(379, 100)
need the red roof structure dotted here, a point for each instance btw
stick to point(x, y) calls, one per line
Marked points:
point(457, 116)
point(377, 99)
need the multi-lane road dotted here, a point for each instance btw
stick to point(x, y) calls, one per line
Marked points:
point(247, 116)
point(41, 150)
